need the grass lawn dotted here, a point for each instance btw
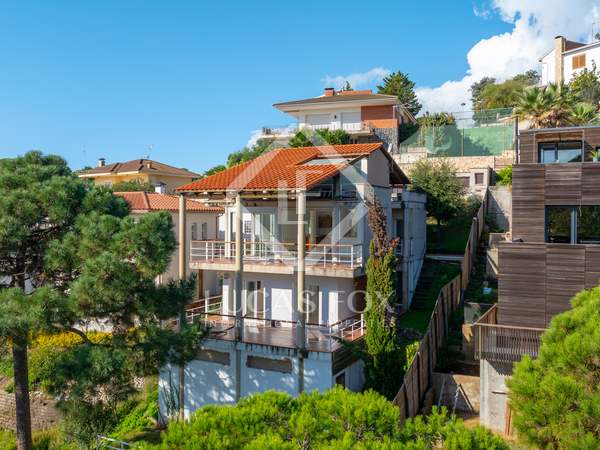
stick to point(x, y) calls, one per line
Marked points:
point(434, 276)
point(449, 238)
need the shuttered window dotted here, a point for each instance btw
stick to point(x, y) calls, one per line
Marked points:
point(578, 61)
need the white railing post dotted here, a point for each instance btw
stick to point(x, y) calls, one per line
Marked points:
point(352, 257)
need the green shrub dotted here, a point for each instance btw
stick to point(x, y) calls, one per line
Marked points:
point(337, 419)
point(504, 176)
point(137, 414)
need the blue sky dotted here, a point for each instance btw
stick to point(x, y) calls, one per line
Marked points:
point(193, 79)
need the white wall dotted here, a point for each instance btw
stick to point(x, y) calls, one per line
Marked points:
point(280, 294)
point(591, 54)
point(335, 117)
point(214, 383)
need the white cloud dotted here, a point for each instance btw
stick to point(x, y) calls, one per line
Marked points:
point(357, 80)
point(535, 23)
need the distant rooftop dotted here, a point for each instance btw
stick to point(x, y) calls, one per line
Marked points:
point(336, 97)
point(152, 201)
point(146, 166)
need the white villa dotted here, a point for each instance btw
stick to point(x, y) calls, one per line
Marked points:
point(568, 58)
point(295, 241)
point(367, 117)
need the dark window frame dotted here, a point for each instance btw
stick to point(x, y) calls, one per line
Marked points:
point(556, 145)
point(574, 224)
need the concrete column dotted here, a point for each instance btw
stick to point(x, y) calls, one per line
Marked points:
point(239, 267)
point(182, 275)
point(559, 48)
point(300, 271)
point(312, 214)
point(182, 238)
point(406, 235)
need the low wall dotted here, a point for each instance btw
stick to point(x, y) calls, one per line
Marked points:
point(499, 206)
point(43, 410)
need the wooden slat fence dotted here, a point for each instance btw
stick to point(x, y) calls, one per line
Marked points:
point(417, 379)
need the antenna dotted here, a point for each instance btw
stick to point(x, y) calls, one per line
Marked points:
point(595, 36)
point(150, 147)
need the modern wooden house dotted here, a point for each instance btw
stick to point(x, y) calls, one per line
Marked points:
point(552, 253)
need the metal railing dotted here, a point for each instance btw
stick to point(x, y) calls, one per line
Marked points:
point(319, 337)
point(504, 343)
point(105, 442)
point(326, 255)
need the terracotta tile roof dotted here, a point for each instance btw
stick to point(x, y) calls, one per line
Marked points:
point(283, 168)
point(152, 201)
point(140, 166)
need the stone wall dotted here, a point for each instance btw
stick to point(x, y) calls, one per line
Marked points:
point(43, 410)
point(500, 206)
point(462, 163)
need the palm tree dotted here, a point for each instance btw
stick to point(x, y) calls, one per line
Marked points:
point(545, 107)
point(584, 114)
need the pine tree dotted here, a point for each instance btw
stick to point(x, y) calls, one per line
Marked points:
point(70, 255)
point(401, 86)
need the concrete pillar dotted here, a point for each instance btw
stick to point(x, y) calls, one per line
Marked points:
point(182, 238)
point(182, 275)
point(312, 214)
point(239, 267)
point(300, 271)
point(406, 235)
point(559, 48)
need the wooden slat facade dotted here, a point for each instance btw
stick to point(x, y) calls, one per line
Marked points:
point(538, 279)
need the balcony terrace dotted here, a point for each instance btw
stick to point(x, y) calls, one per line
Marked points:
point(504, 343)
point(279, 333)
point(345, 260)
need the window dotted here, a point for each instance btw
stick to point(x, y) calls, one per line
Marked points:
point(561, 152)
point(311, 308)
point(559, 224)
point(466, 181)
point(349, 222)
point(578, 61)
point(204, 231)
point(479, 178)
point(573, 224)
point(194, 231)
point(255, 300)
point(588, 225)
point(247, 230)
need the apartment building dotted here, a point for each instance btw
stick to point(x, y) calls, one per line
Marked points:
point(201, 222)
point(568, 58)
point(366, 116)
point(553, 252)
point(292, 263)
point(142, 170)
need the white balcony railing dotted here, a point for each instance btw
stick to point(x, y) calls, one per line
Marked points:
point(326, 255)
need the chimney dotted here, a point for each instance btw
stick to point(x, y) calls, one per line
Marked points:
point(329, 92)
point(160, 188)
point(560, 44)
point(101, 162)
point(149, 164)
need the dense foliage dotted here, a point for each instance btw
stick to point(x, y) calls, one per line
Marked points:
point(504, 176)
point(488, 94)
point(437, 178)
point(246, 154)
point(309, 138)
point(133, 185)
point(398, 84)
point(338, 419)
point(385, 357)
point(556, 397)
point(70, 257)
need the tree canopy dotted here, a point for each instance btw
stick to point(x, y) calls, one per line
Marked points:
point(487, 93)
point(556, 397)
point(309, 138)
point(132, 185)
point(70, 257)
point(398, 84)
point(248, 153)
point(335, 419)
point(437, 178)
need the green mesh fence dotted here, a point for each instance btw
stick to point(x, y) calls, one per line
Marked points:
point(474, 133)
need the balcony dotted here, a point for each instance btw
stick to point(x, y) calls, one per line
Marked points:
point(278, 257)
point(279, 333)
point(362, 127)
point(502, 343)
